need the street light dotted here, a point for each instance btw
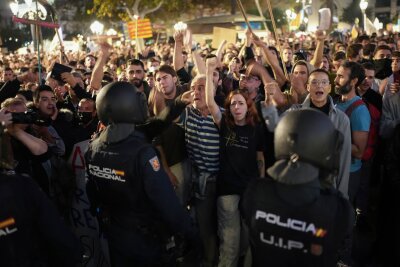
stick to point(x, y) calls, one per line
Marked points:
point(29, 10)
point(180, 26)
point(14, 8)
point(30, 13)
point(97, 27)
point(363, 7)
point(33, 11)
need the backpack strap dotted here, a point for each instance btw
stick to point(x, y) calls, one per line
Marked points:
point(353, 106)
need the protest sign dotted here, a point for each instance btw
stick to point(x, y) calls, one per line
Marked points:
point(84, 225)
point(220, 34)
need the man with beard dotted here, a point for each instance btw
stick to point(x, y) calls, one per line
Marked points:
point(90, 61)
point(135, 73)
point(349, 76)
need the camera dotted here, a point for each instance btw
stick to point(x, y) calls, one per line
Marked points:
point(29, 117)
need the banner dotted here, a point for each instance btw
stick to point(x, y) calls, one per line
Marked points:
point(220, 34)
point(84, 225)
point(143, 27)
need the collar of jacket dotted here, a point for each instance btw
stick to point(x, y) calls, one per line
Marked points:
point(307, 103)
point(115, 133)
point(291, 173)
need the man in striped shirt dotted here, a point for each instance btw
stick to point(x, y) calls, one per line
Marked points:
point(202, 144)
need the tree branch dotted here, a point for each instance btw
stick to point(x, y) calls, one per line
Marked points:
point(148, 11)
point(136, 7)
point(129, 13)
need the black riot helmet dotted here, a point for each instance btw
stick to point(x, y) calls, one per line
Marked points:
point(308, 135)
point(121, 102)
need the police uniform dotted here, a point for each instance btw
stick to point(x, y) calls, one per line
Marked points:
point(291, 220)
point(31, 231)
point(304, 230)
point(137, 203)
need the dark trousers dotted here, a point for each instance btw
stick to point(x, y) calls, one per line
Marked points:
point(354, 186)
point(206, 215)
point(363, 191)
point(346, 249)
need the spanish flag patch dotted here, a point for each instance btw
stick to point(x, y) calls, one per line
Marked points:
point(155, 163)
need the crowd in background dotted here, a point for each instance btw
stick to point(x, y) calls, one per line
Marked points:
point(233, 98)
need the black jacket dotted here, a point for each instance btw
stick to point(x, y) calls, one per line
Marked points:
point(295, 225)
point(127, 182)
point(31, 231)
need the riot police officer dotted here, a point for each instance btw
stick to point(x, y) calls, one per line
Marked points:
point(292, 221)
point(127, 185)
point(31, 230)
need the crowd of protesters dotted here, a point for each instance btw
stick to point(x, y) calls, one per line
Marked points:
point(234, 97)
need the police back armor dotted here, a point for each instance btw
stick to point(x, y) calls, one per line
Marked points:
point(137, 203)
point(307, 234)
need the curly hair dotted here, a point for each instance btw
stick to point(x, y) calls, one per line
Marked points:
point(251, 115)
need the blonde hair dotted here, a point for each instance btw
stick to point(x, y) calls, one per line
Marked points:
point(12, 102)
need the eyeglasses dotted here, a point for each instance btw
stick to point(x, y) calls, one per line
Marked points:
point(317, 82)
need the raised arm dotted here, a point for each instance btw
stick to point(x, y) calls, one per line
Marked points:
point(272, 60)
point(220, 50)
point(319, 51)
point(98, 73)
point(211, 65)
point(199, 62)
point(257, 69)
point(268, 109)
point(178, 58)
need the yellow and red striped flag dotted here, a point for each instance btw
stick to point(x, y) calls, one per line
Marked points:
point(143, 26)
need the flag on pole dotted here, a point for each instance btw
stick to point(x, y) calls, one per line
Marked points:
point(143, 26)
point(369, 27)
